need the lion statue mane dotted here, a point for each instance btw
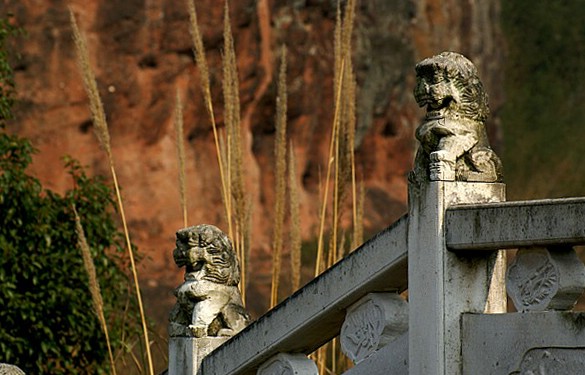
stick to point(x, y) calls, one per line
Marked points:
point(453, 139)
point(209, 302)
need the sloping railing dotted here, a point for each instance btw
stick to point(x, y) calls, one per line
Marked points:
point(315, 314)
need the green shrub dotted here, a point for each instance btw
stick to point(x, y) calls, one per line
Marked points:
point(47, 323)
point(7, 91)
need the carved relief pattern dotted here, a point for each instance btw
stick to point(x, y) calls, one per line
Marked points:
point(539, 285)
point(288, 364)
point(277, 368)
point(532, 280)
point(552, 361)
point(543, 279)
point(361, 331)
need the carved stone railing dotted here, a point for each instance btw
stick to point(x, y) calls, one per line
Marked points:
point(544, 281)
point(356, 297)
point(345, 299)
point(453, 237)
point(315, 314)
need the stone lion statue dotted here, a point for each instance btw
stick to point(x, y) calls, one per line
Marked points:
point(452, 136)
point(209, 301)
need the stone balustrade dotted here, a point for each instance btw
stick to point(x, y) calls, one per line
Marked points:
point(449, 251)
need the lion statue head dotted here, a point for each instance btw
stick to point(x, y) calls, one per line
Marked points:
point(207, 254)
point(449, 82)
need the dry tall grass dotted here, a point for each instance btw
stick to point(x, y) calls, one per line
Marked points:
point(238, 202)
point(358, 227)
point(341, 169)
point(94, 286)
point(229, 148)
point(345, 140)
point(101, 129)
point(341, 165)
point(180, 143)
point(295, 226)
point(341, 174)
point(201, 62)
point(279, 178)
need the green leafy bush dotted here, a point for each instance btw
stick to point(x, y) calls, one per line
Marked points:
point(47, 323)
point(7, 90)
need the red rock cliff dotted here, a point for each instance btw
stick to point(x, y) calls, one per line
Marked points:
point(141, 50)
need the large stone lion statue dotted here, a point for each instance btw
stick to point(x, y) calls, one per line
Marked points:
point(209, 301)
point(452, 136)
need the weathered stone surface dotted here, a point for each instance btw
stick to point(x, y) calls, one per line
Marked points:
point(142, 54)
point(540, 279)
point(314, 315)
point(186, 353)
point(552, 361)
point(516, 224)
point(371, 323)
point(209, 301)
point(498, 343)
point(288, 364)
point(445, 284)
point(453, 138)
point(391, 359)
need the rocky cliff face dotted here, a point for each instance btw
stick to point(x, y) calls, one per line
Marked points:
point(141, 50)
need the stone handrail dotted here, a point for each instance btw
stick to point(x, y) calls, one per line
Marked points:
point(456, 226)
point(492, 226)
point(314, 314)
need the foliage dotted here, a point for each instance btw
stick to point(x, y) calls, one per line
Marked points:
point(6, 73)
point(47, 323)
point(545, 89)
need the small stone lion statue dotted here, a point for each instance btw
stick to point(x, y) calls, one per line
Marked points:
point(209, 302)
point(453, 139)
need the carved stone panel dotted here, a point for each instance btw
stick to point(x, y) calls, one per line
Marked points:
point(540, 279)
point(497, 344)
point(371, 323)
point(288, 364)
point(543, 361)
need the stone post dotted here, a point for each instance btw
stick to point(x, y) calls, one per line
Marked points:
point(186, 353)
point(443, 284)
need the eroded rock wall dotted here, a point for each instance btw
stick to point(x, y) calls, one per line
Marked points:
point(141, 50)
